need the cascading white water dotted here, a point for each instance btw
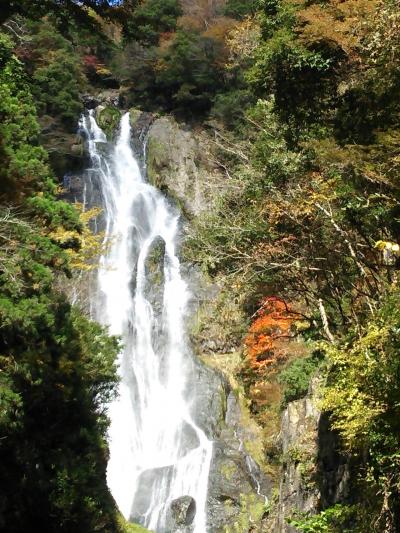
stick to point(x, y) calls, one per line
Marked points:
point(157, 451)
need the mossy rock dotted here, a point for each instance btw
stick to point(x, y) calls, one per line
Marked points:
point(252, 509)
point(135, 528)
point(128, 527)
point(157, 160)
point(108, 119)
point(135, 114)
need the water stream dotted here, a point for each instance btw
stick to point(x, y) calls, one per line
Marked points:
point(157, 451)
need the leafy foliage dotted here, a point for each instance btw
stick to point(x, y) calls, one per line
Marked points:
point(362, 395)
point(295, 377)
point(24, 162)
point(274, 321)
point(57, 369)
point(310, 214)
point(240, 8)
point(151, 19)
point(336, 519)
point(57, 75)
point(65, 9)
point(188, 72)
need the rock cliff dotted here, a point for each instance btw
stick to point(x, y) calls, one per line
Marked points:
point(242, 497)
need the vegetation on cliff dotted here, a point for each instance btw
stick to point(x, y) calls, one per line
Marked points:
point(301, 101)
point(57, 367)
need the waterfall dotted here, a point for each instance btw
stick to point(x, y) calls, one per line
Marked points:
point(157, 451)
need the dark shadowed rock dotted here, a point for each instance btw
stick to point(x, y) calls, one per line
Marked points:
point(89, 101)
point(314, 474)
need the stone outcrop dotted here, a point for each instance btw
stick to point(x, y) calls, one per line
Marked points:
point(181, 514)
point(314, 475)
point(298, 438)
point(66, 152)
point(180, 163)
point(238, 490)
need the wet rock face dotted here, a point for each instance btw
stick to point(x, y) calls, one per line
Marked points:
point(66, 152)
point(181, 514)
point(229, 482)
point(237, 489)
point(208, 390)
point(148, 481)
point(89, 101)
point(109, 97)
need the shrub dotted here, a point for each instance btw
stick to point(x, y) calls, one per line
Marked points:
point(295, 378)
point(336, 519)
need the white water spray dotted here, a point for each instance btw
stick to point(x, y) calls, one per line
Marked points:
point(157, 451)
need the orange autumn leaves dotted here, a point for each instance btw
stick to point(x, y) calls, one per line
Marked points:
point(274, 322)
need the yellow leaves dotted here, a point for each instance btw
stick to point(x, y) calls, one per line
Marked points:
point(387, 245)
point(86, 246)
point(339, 23)
point(102, 70)
point(390, 251)
point(219, 29)
point(63, 236)
point(353, 396)
point(300, 202)
point(243, 41)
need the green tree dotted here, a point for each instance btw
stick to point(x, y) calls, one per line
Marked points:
point(57, 368)
point(23, 168)
point(189, 72)
point(152, 18)
point(363, 396)
point(65, 9)
point(240, 8)
point(57, 74)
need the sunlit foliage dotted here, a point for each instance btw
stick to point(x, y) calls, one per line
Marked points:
point(57, 369)
point(274, 320)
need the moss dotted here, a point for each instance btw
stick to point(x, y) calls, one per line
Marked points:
point(303, 455)
point(157, 154)
point(135, 114)
point(252, 510)
point(127, 527)
point(155, 262)
point(108, 120)
point(157, 158)
point(228, 470)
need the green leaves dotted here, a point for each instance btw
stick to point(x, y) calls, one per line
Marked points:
point(295, 377)
point(57, 368)
point(336, 519)
point(189, 72)
point(23, 164)
point(270, 154)
point(57, 75)
point(363, 397)
point(152, 18)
